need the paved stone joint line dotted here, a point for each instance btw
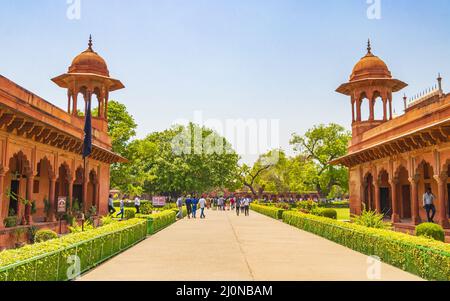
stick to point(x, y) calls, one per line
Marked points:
point(227, 247)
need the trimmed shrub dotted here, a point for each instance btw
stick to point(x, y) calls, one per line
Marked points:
point(130, 213)
point(158, 221)
point(45, 235)
point(146, 208)
point(421, 256)
point(430, 230)
point(48, 261)
point(330, 213)
point(272, 212)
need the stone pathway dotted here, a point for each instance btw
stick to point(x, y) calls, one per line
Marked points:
point(227, 247)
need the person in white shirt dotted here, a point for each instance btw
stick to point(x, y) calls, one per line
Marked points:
point(137, 204)
point(202, 205)
point(247, 206)
point(428, 204)
point(180, 207)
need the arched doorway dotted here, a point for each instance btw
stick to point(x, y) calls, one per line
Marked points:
point(369, 192)
point(404, 194)
point(92, 190)
point(62, 183)
point(43, 190)
point(426, 180)
point(78, 187)
point(19, 171)
point(385, 194)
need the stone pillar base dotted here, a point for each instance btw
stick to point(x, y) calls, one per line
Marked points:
point(444, 224)
point(416, 220)
point(396, 218)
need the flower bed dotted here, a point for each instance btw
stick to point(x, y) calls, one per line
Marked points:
point(426, 258)
point(272, 212)
point(51, 260)
point(158, 221)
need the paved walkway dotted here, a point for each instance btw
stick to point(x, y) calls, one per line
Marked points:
point(227, 247)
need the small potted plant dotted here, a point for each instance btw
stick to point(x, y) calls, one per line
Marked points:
point(18, 233)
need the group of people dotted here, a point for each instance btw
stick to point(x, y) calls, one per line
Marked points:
point(193, 204)
point(121, 213)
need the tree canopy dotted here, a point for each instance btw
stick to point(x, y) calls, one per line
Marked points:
point(321, 145)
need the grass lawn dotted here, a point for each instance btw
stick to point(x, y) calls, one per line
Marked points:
point(343, 213)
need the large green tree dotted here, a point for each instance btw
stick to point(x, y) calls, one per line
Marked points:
point(122, 129)
point(183, 159)
point(322, 144)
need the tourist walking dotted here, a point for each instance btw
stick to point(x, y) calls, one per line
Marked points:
point(194, 207)
point(180, 208)
point(232, 203)
point(247, 206)
point(238, 206)
point(428, 204)
point(122, 208)
point(111, 208)
point(202, 205)
point(189, 206)
point(137, 204)
point(242, 205)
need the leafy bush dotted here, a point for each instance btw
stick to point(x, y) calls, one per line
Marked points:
point(129, 213)
point(306, 206)
point(424, 257)
point(10, 221)
point(48, 261)
point(45, 235)
point(432, 231)
point(158, 221)
point(330, 213)
point(106, 220)
point(371, 219)
point(146, 208)
point(273, 212)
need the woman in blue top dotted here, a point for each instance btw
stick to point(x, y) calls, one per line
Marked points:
point(194, 207)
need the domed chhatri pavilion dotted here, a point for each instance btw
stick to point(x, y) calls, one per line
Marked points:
point(41, 147)
point(394, 159)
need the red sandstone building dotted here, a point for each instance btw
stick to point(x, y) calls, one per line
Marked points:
point(41, 146)
point(394, 159)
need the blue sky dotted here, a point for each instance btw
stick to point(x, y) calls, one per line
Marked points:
point(263, 59)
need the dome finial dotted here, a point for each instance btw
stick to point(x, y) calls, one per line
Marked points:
point(90, 42)
point(369, 47)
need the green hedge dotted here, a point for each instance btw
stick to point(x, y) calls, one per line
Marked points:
point(158, 221)
point(48, 261)
point(273, 212)
point(426, 258)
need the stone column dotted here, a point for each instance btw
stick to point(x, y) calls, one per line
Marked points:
point(353, 110)
point(51, 199)
point(97, 196)
point(377, 197)
point(30, 182)
point(358, 110)
point(395, 215)
point(414, 201)
point(372, 109)
point(70, 182)
point(75, 104)
point(390, 109)
point(441, 208)
point(384, 110)
point(2, 179)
